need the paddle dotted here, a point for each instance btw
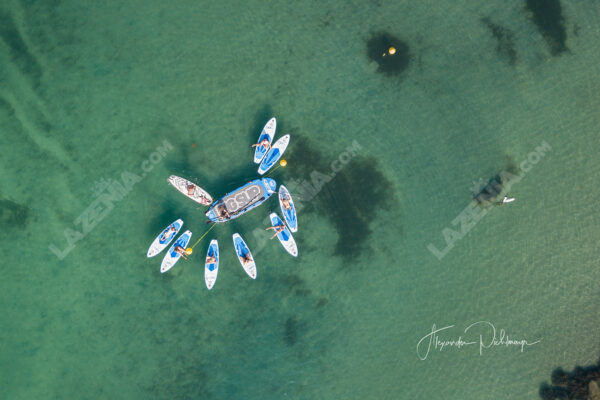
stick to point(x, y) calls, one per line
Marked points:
point(191, 249)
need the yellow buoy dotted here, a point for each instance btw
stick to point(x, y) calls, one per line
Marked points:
point(189, 251)
point(283, 163)
point(392, 50)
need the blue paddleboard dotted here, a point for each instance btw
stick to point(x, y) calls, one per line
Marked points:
point(172, 256)
point(242, 251)
point(274, 154)
point(211, 269)
point(285, 237)
point(164, 238)
point(267, 133)
point(289, 214)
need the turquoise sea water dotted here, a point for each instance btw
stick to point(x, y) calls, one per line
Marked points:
point(90, 92)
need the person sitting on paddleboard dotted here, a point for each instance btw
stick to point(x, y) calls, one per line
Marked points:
point(265, 143)
point(190, 189)
point(286, 203)
point(278, 229)
point(168, 233)
point(210, 260)
point(181, 251)
point(223, 212)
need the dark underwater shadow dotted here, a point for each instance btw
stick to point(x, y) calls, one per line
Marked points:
point(13, 215)
point(505, 44)
point(486, 193)
point(580, 384)
point(217, 183)
point(169, 213)
point(350, 198)
point(378, 47)
point(183, 166)
point(547, 17)
point(21, 55)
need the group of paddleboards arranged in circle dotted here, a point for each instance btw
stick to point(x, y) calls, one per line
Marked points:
point(230, 206)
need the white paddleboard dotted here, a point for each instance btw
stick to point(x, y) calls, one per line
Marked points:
point(241, 249)
point(191, 190)
point(288, 215)
point(172, 257)
point(285, 237)
point(267, 133)
point(274, 154)
point(211, 269)
point(164, 238)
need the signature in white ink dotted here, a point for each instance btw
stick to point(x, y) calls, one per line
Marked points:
point(484, 333)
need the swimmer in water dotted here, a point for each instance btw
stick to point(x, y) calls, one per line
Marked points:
point(505, 200)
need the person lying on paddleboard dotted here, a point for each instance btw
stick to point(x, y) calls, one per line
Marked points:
point(286, 203)
point(264, 142)
point(211, 260)
point(278, 229)
point(181, 251)
point(168, 233)
point(246, 259)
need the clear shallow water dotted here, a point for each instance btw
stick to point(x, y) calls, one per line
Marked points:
point(91, 92)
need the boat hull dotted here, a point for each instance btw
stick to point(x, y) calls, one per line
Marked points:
point(241, 200)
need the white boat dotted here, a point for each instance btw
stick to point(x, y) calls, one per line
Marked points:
point(191, 190)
